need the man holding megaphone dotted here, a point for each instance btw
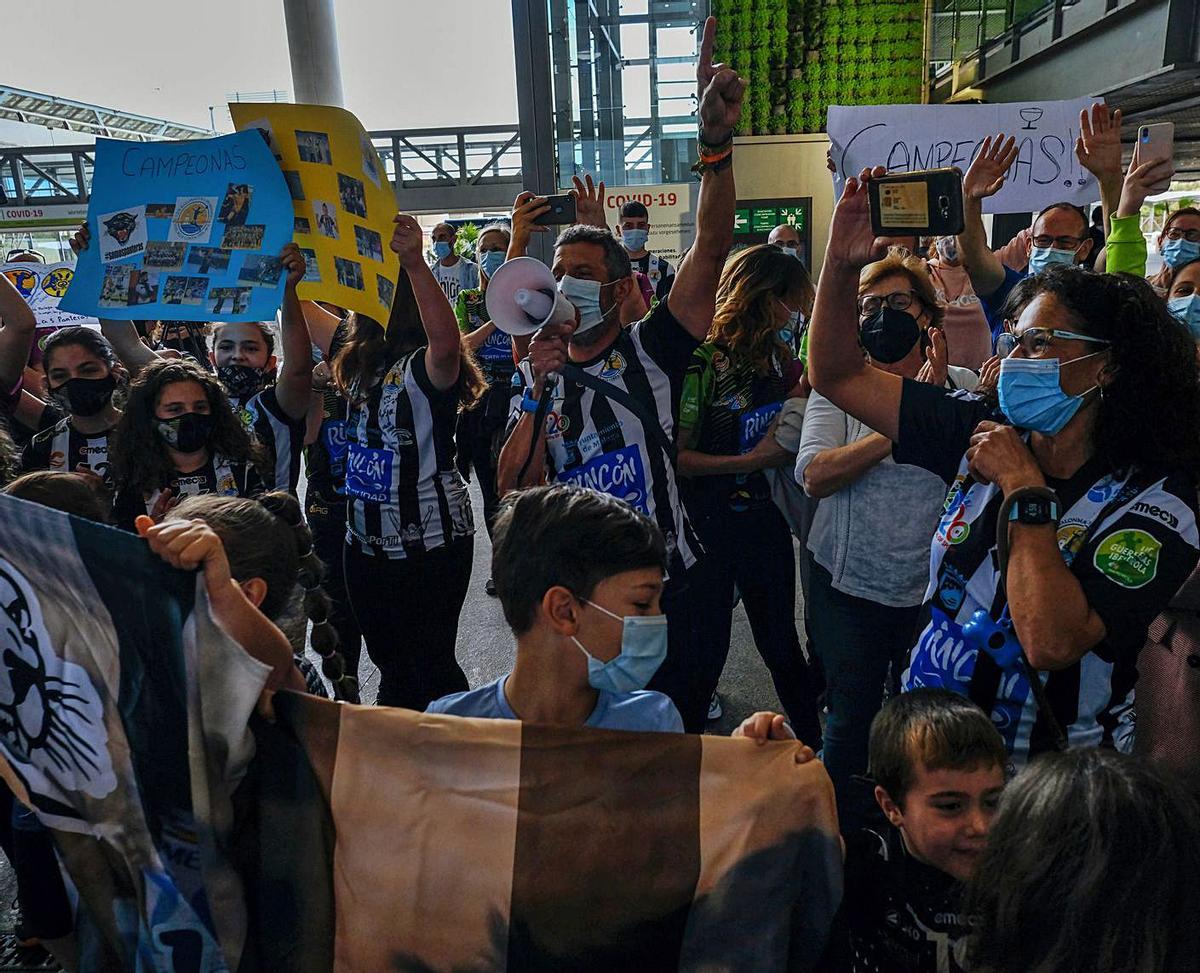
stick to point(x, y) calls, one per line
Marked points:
point(598, 404)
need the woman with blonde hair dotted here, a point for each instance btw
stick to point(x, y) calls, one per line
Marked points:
point(736, 386)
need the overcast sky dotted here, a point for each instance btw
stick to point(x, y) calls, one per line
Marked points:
point(405, 63)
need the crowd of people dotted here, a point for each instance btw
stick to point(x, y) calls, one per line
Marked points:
point(986, 461)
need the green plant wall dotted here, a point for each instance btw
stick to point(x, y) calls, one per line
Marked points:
point(800, 56)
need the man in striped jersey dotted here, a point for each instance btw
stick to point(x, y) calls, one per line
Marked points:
point(613, 417)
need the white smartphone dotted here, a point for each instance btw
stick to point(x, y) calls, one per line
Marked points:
point(1155, 143)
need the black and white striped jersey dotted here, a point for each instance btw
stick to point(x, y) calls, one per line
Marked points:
point(61, 448)
point(405, 494)
point(280, 434)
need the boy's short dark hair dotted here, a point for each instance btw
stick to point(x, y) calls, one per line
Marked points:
point(569, 536)
point(932, 728)
point(634, 210)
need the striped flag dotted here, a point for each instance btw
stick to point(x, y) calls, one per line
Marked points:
point(463, 846)
point(123, 724)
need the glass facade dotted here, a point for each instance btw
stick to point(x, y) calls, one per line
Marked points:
point(959, 27)
point(624, 88)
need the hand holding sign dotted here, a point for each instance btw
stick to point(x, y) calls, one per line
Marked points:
point(294, 265)
point(408, 242)
point(990, 168)
point(719, 90)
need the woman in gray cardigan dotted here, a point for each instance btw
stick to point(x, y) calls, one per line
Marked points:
point(869, 546)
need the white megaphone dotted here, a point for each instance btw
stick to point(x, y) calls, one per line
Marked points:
point(522, 296)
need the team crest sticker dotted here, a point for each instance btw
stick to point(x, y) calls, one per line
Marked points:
point(614, 366)
point(51, 718)
point(25, 281)
point(193, 219)
point(122, 234)
point(1128, 557)
point(55, 283)
point(1070, 539)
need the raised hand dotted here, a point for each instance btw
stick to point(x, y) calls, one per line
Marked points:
point(1142, 179)
point(719, 91)
point(589, 202)
point(1098, 147)
point(935, 368)
point(990, 168)
point(526, 208)
point(851, 239)
point(408, 241)
point(81, 238)
point(294, 264)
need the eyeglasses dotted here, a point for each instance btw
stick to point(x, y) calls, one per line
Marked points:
point(1046, 242)
point(23, 252)
point(899, 301)
point(1033, 341)
point(1192, 236)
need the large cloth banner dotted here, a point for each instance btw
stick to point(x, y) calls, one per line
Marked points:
point(344, 204)
point(418, 843)
point(42, 286)
point(184, 231)
point(123, 724)
point(908, 138)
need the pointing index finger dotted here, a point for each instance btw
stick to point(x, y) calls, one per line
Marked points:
point(704, 66)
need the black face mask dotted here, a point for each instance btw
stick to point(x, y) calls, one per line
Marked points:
point(85, 396)
point(888, 335)
point(241, 381)
point(187, 433)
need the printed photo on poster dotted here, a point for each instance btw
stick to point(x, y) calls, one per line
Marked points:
point(164, 256)
point(368, 243)
point(313, 147)
point(268, 135)
point(208, 259)
point(193, 219)
point(185, 290)
point(326, 214)
point(370, 164)
point(235, 207)
point(349, 273)
point(260, 270)
point(386, 290)
point(114, 288)
point(295, 186)
point(312, 273)
point(143, 286)
point(248, 237)
point(301, 224)
point(228, 300)
point(122, 234)
point(160, 211)
point(352, 194)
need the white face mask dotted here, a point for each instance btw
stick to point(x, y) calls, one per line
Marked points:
point(585, 296)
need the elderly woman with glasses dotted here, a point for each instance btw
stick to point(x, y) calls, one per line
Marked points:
point(1070, 519)
point(869, 545)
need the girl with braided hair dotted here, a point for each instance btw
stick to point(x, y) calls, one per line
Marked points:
point(271, 558)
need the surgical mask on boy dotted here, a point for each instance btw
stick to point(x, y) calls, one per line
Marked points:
point(634, 240)
point(643, 648)
point(441, 249)
point(1043, 257)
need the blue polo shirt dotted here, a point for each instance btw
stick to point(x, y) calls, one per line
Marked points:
point(639, 710)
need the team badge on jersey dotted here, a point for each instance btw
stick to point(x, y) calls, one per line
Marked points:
point(614, 366)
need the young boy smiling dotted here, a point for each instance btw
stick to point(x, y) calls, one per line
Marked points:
point(938, 765)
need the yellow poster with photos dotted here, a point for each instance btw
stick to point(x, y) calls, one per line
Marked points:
point(343, 202)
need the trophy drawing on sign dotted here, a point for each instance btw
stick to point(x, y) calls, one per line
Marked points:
point(1031, 115)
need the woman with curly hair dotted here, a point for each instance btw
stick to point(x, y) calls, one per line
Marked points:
point(179, 437)
point(410, 532)
point(1088, 460)
point(734, 389)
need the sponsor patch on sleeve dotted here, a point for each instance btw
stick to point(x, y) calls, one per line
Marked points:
point(1128, 557)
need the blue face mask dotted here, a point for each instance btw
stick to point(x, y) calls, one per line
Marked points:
point(1031, 396)
point(1179, 252)
point(791, 252)
point(634, 240)
point(491, 261)
point(643, 648)
point(1043, 257)
point(1187, 310)
point(788, 331)
point(441, 249)
point(584, 295)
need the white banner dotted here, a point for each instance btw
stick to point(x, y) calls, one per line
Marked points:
point(908, 138)
point(60, 216)
point(672, 210)
point(42, 285)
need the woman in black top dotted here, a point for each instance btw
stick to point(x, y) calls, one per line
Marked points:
point(179, 437)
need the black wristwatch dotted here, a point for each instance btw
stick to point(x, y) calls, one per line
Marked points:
point(1034, 505)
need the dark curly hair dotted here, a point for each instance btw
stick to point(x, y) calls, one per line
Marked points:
point(137, 454)
point(10, 458)
point(1150, 409)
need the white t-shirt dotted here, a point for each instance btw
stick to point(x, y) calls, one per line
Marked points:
point(460, 276)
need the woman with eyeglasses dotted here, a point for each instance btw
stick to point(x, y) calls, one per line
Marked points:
point(1087, 452)
point(1178, 243)
point(869, 547)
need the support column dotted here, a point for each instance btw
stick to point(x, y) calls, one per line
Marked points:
point(313, 49)
point(535, 101)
